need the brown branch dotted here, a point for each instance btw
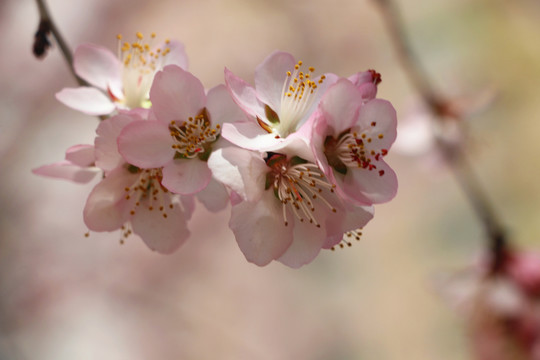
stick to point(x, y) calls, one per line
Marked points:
point(46, 25)
point(453, 154)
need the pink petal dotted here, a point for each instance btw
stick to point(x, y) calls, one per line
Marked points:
point(146, 144)
point(107, 155)
point(88, 100)
point(244, 95)
point(383, 113)
point(369, 186)
point(241, 170)
point(186, 176)
point(214, 196)
point(307, 243)
point(222, 108)
point(368, 91)
point(259, 229)
point(176, 95)
point(98, 66)
point(176, 56)
point(356, 217)
point(340, 106)
point(161, 234)
point(188, 205)
point(270, 76)
point(81, 155)
point(106, 208)
point(68, 171)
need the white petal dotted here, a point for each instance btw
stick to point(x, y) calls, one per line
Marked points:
point(241, 170)
point(89, 100)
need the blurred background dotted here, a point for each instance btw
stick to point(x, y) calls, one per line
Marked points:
point(64, 296)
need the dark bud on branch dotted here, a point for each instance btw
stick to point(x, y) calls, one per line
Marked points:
point(41, 39)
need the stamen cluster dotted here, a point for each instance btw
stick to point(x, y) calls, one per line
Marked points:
point(193, 135)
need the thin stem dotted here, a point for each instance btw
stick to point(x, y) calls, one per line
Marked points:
point(413, 68)
point(453, 154)
point(45, 17)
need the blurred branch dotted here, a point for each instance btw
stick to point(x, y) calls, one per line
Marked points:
point(41, 42)
point(453, 154)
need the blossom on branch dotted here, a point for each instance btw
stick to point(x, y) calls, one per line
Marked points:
point(350, 138)
point(185, 130)
point(284, 207)
point(119, 82)
point(501, 309)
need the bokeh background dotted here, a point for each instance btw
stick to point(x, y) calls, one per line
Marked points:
point(64, 296)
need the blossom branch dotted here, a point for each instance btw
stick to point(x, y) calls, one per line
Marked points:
point(41, 43)
point(453, 154)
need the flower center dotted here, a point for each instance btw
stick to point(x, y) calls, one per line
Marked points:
point(352, 149)
point(141, 60)
point(299, 185)
point(147, 191)
point(194, 137)
point(298, 94)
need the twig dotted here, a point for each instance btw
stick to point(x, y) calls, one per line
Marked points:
point(46, 23)
point(453, 154)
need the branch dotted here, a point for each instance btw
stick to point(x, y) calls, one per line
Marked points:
point(453, 154)
point(41, 42)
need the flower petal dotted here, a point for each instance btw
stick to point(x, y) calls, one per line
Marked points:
point(383, 114)
point(176, 56)
point(222, 108)
point(161, 234)
point(214, 196)
point(259, 229)
point(86, 99)
point(244, 95)
point(81, 155)
point(106, 142)
point(68, 171)
point(241, 170)
point(249, 135)
point(307, 243)
point(340, 106)
point(176, 94)
point(146, 144)
point(186, 176)
point(369, 186)
point(98, 66)
point(106, 208)
point(270, 76)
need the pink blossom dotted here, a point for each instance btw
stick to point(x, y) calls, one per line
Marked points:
point(283, 99)
point(501, 309)
point(121, 82)
point(284, 208)
point(134, 199)
point(351, 137)
point(79, 165)
point(186, 130)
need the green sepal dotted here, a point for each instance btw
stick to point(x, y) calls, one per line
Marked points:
point(271, 115)
point(296, 160)
point(133, 169)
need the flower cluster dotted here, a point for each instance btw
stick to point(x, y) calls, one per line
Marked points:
point(299, 157)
